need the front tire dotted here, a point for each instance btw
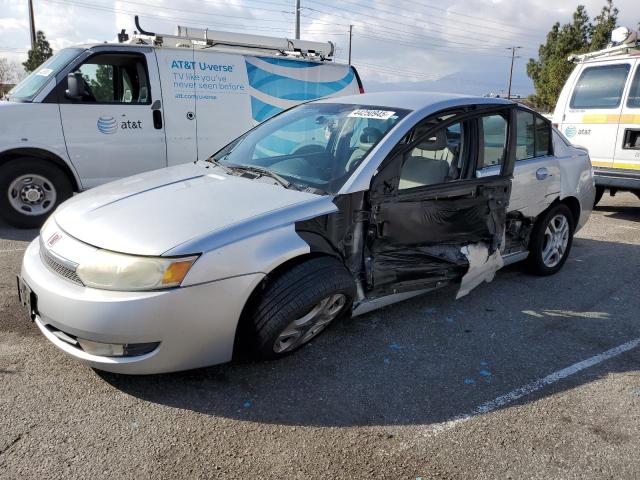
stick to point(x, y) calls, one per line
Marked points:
point(30, 189)
point(551, 241)
point(297, 305)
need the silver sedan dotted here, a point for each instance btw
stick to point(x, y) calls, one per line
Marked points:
point(328, 210)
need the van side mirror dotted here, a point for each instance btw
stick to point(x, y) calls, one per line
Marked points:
point(75, 86)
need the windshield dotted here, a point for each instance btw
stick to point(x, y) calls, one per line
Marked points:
point(317, 145)
point(30, 86)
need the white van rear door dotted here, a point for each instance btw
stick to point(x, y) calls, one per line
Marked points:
point(222, 100)
point(594, 108)
point(627, 154)
point(110, 131)
point(178, 79)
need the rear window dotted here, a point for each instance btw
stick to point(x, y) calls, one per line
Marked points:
point(600, 87)
point(634, 93)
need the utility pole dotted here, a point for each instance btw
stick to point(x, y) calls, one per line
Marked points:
point(513, 57)
point(32, 25)
point(297, 19)
point(350, 40)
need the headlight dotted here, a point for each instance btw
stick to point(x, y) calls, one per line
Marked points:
point(116, 271)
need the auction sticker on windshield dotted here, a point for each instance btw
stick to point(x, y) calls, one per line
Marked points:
point(379, 114)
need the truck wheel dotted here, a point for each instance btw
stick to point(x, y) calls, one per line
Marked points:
point(298, 305)
point(30, 189)
point(551, 241)
point(599, 195)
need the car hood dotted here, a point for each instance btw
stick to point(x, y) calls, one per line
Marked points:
point(152, 213)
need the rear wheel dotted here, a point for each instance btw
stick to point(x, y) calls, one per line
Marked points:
point(30, 189)
point(299, 304)
point(551, 240)
point(599, 195)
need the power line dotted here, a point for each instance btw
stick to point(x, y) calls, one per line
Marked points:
point(398, 12)
point(385, 21)
point(119, 10)
point(479, 19)
point(424, 46)
point(420, 37)
point(390, 69)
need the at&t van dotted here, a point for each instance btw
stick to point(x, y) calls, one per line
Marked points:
point(99, 112)
point(599, 108)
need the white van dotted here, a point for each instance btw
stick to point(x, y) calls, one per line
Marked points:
point(95, 113)
point(599, 108)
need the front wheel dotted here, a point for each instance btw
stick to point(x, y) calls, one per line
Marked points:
point(299, 304)
point(551, 241)
point(30, 189)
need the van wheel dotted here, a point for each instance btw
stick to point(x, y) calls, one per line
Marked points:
point(551, 241)
point(298, 305)
point(599, 195)
point(30, 189)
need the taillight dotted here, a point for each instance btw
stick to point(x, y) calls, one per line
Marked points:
point(555, 125)
point(361, 89)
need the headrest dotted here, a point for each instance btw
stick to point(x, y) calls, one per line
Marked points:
point(370, 135)
point(434, 142)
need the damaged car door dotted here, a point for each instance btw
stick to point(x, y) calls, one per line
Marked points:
point(434, 220)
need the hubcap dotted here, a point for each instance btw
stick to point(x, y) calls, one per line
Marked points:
point(556, 239)
point(32, 194)
point(303, 329)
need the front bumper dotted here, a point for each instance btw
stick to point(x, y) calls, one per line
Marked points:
point(617, 178)
point(195, 325)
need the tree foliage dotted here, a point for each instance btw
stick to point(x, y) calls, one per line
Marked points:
point(551, 70)
point(40, 52)
point(10, 72)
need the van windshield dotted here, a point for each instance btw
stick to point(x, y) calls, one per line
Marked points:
point(317, 145)
point(27, 89)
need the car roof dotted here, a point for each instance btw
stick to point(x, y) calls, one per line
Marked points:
point(417, 100)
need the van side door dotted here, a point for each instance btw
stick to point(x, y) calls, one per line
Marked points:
point(594, 108)
point(177, 77)
point(111, 129)
point(431, 213)
point(627, 154)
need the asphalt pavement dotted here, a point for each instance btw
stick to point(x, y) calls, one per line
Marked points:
point(526, 377)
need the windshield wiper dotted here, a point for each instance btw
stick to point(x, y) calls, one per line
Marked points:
point(217, 163)
point(267, 173)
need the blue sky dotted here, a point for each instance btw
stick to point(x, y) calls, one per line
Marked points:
point(458, 46)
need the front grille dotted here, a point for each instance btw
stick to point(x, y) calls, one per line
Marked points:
point(58, 268)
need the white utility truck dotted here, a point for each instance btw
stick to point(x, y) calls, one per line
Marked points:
point(95, 113)
point(599, 108)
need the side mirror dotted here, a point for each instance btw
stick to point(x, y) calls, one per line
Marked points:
point(75, 86)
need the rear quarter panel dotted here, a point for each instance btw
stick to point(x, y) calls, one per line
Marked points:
point(576, 176)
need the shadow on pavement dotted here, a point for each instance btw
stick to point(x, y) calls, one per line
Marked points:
point(431, 358)
point(9, 232)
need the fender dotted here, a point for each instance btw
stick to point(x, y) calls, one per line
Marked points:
point(46, 153)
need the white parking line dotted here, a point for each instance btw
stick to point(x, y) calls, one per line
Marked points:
point(518, 393)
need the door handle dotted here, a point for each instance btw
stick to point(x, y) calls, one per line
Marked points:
point(542, 173)
point(157, 119)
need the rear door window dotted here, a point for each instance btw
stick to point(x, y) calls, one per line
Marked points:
point(494, 141)
point(526, 140)
point(600, 87)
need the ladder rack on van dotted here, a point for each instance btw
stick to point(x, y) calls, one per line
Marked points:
point(187, 37)
point(607, 52)
point(623, 42)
